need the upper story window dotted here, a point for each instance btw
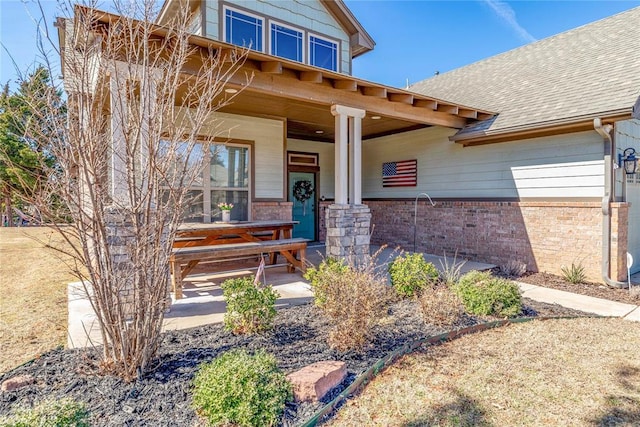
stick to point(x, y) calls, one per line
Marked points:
point(286, 42)
point(243, 29)
point(264, 34)
point(323, 53)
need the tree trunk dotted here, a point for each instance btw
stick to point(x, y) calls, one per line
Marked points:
point(7, 210)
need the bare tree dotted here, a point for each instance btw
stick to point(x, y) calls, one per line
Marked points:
point(141, 103)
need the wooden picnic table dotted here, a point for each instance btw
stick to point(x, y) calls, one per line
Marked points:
point(221, 241)
point(220, 233)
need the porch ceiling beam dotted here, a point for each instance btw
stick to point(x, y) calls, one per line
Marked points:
point(451, 109)
point(272, 67)
point(424, 103)
point(289, 85)
point(324, 94)
point(378, 92)
point(403, 98)
point(311, 76)
point(469, 114)
point(348, 85)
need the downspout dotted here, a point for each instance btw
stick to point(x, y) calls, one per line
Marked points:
point(605, 132)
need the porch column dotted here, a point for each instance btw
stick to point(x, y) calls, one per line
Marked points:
point(348, 154)
point(348, 220)
point(118, 150)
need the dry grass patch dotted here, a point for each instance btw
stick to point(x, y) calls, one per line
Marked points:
point(578, 372)
point(33, 305)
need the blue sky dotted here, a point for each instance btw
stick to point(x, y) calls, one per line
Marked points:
point(414, 39)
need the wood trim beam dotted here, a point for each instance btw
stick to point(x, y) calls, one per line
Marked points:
point(378, 92)
point(424, 103)
point(469, 114)
point(348, 85)
point(311, 76)
point(451, 109)
point(271, 67)
point(287, 85)
point(484, 116)
point(403, 98)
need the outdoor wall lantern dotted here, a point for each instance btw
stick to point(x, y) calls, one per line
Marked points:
point(628, 160)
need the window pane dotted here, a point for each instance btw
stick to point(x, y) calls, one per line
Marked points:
point(240, 200)
point(182, 157)
point(229, 166)
point(243, 30)
point(286, 42)
point(323, 53)
point(194, 206)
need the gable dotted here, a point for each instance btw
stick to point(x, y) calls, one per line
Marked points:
point(310, 16)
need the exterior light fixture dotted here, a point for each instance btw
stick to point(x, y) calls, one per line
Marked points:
point(231, 90)
point(628, 161)
point(375, 117)
point(319, 132)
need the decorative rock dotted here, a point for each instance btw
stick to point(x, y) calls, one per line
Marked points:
point(16, 383)
point(312, 382)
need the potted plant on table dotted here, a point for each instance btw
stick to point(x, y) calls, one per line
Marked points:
point(226, 211)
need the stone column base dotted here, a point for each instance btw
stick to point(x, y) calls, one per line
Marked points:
point(348, 235)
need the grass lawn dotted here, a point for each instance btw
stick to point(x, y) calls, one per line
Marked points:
point(582, 372)
point(33, 303)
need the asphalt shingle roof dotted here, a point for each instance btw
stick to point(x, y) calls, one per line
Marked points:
point(589, 70)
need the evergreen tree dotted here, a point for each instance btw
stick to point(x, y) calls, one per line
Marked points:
point(24, 159)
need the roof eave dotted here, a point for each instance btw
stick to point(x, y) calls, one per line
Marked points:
point(360, 40)
point(540, 129)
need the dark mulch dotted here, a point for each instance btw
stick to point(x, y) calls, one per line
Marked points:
point(163, 398)
point(591, 289)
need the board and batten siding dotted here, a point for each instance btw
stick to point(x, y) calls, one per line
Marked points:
point(268, 149)
point(308, 15)
point(562, 166)
point(326, 161)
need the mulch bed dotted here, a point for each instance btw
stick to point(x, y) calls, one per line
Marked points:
point(591, 289)
point(162, 397)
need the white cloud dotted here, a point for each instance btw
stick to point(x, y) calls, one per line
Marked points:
point(508, 15)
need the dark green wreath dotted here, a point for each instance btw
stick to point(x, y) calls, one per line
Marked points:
point(302, 190)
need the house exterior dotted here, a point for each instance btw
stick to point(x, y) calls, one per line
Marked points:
point(518, 151)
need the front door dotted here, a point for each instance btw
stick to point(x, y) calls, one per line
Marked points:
point(302, 192)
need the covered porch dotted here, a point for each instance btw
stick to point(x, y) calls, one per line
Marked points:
point(203, 303)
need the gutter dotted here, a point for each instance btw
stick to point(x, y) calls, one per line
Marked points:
point(605, 132)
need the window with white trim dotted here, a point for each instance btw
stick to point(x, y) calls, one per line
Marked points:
point(225, 178)
point(229, 180)
point(243, 29)
point(323, 53)
point(287, 42)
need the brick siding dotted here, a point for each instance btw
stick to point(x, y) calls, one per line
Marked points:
point(261, 211)
point(544, 235)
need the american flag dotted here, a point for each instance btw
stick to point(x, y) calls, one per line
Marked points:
point(400, 174)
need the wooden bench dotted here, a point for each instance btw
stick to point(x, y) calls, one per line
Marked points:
point(191, 256)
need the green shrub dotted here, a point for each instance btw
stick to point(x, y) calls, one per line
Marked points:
point(354, 298)
point(239, 389)
point(50, 413)
point(250, 308)
point(322, 277)
point(483, 294)
point(574, 274)
point(410, 273)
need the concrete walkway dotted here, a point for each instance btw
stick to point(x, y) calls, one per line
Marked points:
point(599, 306)
point(203, 302)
